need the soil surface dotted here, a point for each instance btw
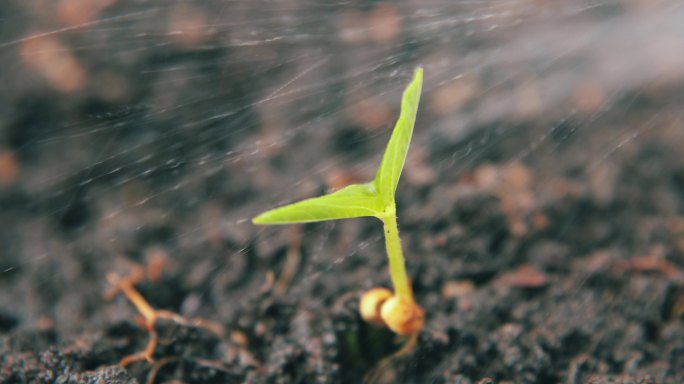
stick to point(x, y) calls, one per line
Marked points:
point(539, 256)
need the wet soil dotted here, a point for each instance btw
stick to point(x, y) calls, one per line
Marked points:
point(564, 263)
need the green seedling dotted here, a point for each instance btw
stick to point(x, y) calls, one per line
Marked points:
point(397, 310)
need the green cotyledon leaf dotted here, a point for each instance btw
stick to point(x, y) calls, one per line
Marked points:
point(356, 200)
point(359, 200)
point(387, 177)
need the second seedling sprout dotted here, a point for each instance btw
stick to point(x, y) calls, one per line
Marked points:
point(398, 310)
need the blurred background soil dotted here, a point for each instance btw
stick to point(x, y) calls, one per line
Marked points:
point(541, 207)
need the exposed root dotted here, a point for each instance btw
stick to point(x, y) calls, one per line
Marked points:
point(375, 375)
point(158, 366)
point(126, 285)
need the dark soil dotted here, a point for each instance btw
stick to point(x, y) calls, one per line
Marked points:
point(539, 256)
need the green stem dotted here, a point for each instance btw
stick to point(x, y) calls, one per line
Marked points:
point(395, 254)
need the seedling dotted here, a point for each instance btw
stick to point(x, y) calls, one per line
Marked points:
point(397, 310)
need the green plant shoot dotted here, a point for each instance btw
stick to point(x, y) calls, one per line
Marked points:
point(375, 198)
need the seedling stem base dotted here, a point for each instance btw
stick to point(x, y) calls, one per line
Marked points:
point(394, 253)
